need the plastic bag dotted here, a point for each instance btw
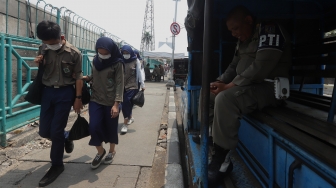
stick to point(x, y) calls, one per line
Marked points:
point(80, 129)
point(139, 98)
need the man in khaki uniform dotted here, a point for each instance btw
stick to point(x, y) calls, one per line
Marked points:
point(263, 52)
point(156, 73)
point(62, 71)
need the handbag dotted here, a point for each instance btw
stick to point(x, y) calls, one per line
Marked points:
point(85, 94)
point(80, 129)
point(139, 98)
point(35, 89)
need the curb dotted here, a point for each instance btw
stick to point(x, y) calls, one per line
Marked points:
point(173, 172)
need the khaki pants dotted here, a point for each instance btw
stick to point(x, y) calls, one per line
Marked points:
point(231, 104)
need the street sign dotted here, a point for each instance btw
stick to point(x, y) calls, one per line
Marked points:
point(175, 28)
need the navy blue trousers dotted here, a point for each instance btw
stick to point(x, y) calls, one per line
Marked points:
point(103, 128)
point(55, 108)
point(127, 104)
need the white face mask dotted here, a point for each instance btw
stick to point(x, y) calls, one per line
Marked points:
point(127, 56)
point(104, 56)
point(55, 46)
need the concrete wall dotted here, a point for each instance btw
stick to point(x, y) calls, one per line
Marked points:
point(17, 23)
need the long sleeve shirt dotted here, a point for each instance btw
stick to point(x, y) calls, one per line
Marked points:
point(266, 55)
point(108, 84)
point(140, 74)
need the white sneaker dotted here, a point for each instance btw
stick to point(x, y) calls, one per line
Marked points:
point(123, 129)
point(130, 121)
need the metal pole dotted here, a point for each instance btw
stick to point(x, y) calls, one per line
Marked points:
point(205, 91)
point(173, 38)
point(2, 92)
point(58, 16)
point(6, 16)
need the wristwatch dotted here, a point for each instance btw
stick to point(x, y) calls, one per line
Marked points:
point(79, 97)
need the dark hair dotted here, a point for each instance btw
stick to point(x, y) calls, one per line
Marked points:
point(48, 30)
point(238, 12)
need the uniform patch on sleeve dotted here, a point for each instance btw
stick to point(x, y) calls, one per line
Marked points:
point(271, 37)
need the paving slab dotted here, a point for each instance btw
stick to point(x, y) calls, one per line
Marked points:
point(137, 147)
point(28, 174)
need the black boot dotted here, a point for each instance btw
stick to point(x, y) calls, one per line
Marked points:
point(68, 145)
point(51, 175)
point(214, 175)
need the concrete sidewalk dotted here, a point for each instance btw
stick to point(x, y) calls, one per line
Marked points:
point(131, 166)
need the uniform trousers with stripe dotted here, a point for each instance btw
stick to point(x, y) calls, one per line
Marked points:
point(55, 108)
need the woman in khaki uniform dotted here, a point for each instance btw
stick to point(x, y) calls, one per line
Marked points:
point(107, 94)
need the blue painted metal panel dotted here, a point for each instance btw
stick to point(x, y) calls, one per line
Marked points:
point(305, 177)
point(257, 144)
point(280, 166)
point(196, 158)
point(309, 88)
point(283, 151)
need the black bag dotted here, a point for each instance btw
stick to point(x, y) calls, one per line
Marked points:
point(35, 89)
point(85, 94)
point(139, 98)
point(80, 129)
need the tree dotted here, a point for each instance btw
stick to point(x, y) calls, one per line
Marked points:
point(147, 40)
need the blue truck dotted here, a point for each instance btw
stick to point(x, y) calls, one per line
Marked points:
point(290, 146)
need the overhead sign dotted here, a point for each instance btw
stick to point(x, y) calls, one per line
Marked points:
point(175, 28)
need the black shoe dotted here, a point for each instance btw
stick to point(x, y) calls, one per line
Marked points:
point(228, 170)
point(68, 145)
point(97, 160)
point(51, 175)
point(197, 139)
point(214, 175)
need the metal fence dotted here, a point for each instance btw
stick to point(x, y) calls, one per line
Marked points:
point(19, 46)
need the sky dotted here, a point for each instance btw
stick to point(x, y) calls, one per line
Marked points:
point(124, 18)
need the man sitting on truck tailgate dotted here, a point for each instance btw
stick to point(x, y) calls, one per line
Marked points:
point(263, 52)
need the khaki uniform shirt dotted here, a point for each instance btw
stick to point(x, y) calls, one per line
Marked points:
point(156, 71)
point(131, 75)
point(61, 65)
point(266, 55)
point(108, 84)
point(162, 72)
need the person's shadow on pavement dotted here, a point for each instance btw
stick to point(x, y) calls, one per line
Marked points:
point(29, 173)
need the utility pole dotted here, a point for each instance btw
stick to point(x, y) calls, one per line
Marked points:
point(173, 44)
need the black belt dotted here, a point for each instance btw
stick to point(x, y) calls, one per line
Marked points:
point(57, 87)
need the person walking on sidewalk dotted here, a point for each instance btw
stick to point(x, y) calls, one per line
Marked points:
point(140, 77)
point(132, 69)
point(61, 61)
point(156, 73)
point(148, 74)
point(107, 93)
point(162, 72)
